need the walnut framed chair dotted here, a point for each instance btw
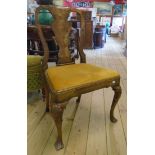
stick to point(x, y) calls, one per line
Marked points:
point(67, 79)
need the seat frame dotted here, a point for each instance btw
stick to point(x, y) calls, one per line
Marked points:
point(59, 99)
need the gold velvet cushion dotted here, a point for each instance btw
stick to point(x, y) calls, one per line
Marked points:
point(73, 76)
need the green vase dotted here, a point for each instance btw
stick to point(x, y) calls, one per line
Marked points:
point(45, 18)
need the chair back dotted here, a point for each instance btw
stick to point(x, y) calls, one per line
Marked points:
point(61, 28)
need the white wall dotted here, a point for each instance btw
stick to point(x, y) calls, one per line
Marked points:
point(30, 1)
point(31, 6)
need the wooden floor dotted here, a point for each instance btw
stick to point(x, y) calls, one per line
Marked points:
point(89, 131)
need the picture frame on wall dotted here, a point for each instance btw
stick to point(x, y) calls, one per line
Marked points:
point(104, 11)
point(118, 9)
point(103, 8)
point(125, 10)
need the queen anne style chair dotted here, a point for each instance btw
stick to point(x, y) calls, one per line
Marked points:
point(67, 79)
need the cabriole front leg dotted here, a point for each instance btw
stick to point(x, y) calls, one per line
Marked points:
point(57, 113)
point(117, 93)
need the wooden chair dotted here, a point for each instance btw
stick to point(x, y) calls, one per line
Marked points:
point(67, 79)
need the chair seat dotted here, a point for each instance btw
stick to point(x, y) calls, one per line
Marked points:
point(76, 75)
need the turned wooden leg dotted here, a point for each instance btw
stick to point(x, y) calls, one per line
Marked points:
point(117, 94)
point(78, 99)
point(57, 113)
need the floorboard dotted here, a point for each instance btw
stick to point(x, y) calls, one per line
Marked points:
point(35, 117)
point(97, 131)
point(116, 144)
point(77, 141)
point(39, 138)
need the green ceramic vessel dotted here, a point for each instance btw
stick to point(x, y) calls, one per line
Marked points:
point(45, 18)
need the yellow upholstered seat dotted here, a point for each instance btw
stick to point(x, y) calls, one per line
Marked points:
point(76, 75)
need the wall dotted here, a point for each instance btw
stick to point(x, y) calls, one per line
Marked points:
point(58, 2)
point(29, 1)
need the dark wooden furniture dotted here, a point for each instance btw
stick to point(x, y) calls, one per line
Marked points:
point(88, 31)
point(34, 45)
point(69, 80)
point(98, 41)
point(88, 38)
point(44, 2)
point(99, 36)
